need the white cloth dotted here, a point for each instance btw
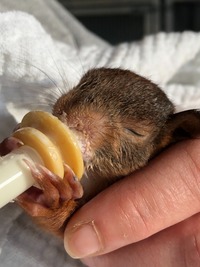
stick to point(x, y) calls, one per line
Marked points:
point(32, 60)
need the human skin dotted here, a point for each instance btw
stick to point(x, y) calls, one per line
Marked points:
point(150, 218)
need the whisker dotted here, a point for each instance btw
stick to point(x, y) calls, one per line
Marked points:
point(45, 73)
point(45, 94)
point(27, 91)
point(78, 57)
point(62, 76)
point(75, 70)
point(65, 82)
point(32, 105)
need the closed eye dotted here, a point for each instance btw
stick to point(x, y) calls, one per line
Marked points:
point(131, 131)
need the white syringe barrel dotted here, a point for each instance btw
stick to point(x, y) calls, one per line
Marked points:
point(15, 175)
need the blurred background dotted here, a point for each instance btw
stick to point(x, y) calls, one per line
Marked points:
point(127, 20)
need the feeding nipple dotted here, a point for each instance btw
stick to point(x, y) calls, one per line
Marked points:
point(46, 140)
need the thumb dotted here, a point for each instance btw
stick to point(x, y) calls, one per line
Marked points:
point(162, 194)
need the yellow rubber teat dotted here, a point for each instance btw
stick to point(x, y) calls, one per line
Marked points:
point(53, 140)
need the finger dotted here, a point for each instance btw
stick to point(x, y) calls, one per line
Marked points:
point(177, 246)
point(161, 194)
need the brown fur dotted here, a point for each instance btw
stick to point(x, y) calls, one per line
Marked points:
point(106, 105)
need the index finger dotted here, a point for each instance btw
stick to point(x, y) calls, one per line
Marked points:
point(162, 194)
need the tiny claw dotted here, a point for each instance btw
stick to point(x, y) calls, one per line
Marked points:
point(73, 181)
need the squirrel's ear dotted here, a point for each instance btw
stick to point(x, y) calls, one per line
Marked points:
point(179, 126)
point(184, 125)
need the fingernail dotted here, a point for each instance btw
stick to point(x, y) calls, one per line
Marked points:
point(82, 240)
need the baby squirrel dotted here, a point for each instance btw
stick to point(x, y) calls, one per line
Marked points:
point(121, 120)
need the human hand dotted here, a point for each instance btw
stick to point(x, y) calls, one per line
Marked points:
point(150, 218)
